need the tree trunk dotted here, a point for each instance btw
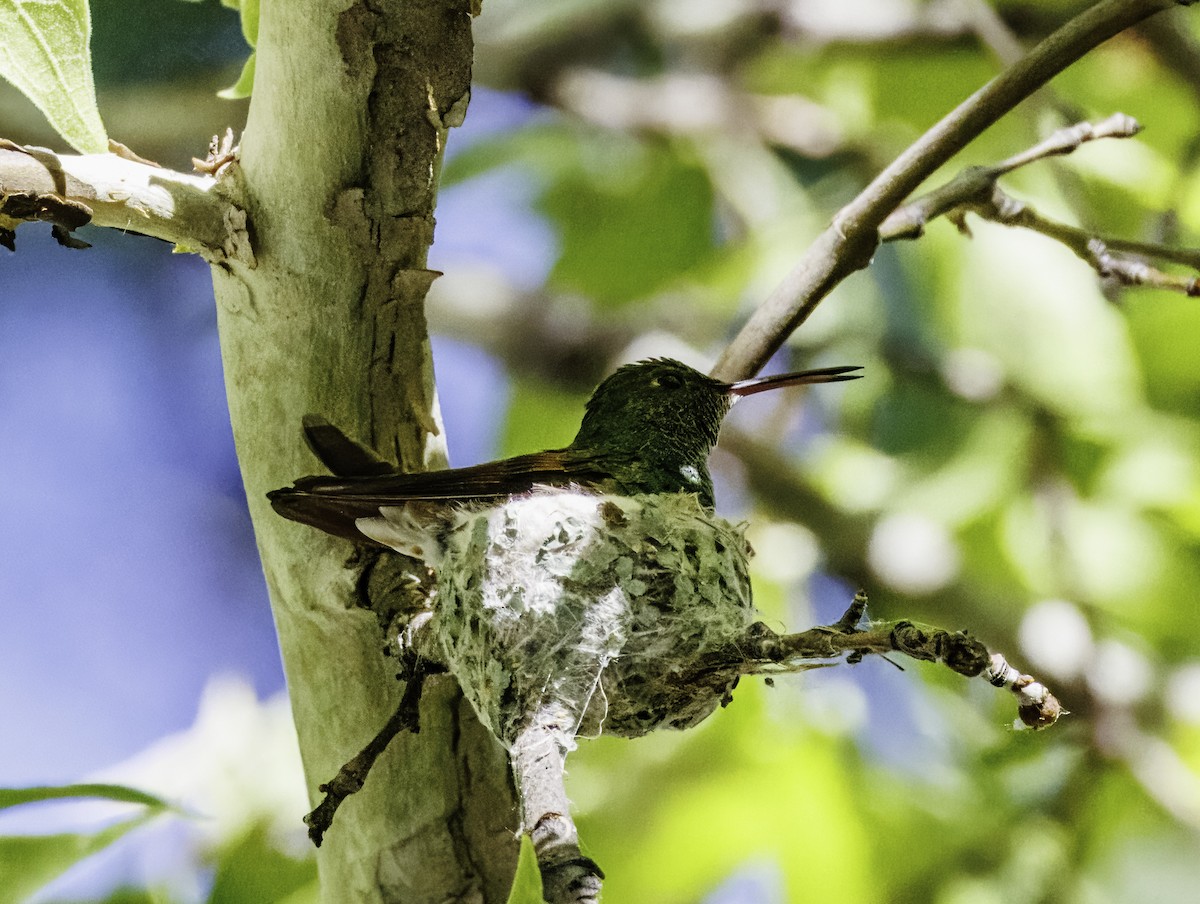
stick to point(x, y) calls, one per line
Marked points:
point(338, 177)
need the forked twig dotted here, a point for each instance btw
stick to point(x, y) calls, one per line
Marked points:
point(849, 242)
point(352, 775)
point(976, 190)
point(765, 652)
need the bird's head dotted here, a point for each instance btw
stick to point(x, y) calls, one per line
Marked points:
point(663, 411)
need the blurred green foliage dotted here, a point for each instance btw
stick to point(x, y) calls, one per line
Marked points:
point(1023, 459)
point(29, 862)
point(1033, 428)
point(527, 885)
point(608, 211)
point(173, 40)
point(254, 871)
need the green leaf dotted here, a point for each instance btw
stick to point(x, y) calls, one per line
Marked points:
point(540, 416)
point(44, 52)
point(243, 87)
point(254, 871)
point(12, 797)
point(249, 10)
point(29, 862)
point(527, 884)
point(546, 150)
point(245, 83)
point(632, 219)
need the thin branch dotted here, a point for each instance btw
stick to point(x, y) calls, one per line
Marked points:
point(119, 192)
point(1133, 272)
point(538, 757)
point(1001, 207)
point(765, 652)
point(975, 190)
point(1068, 139)
point(849, 242)
point(975, 185)
point(353, 775)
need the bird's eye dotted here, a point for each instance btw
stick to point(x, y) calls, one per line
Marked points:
point(669, 381)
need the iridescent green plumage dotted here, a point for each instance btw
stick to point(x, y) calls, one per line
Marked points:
point(648, 428)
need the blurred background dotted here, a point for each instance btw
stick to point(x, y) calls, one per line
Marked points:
point(632, 179)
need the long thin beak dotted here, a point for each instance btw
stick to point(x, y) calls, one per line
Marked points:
point(776, 381)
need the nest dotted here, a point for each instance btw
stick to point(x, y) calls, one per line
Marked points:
point(599, 609)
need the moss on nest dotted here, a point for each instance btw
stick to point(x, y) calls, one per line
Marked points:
point(596, 608)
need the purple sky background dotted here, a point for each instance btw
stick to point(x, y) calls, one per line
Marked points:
point(129, 574)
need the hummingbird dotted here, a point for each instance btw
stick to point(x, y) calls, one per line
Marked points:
point(627, 509)
point(647, 429)
point(576, 590)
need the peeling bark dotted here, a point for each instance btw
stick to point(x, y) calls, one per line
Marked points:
point(338, 177)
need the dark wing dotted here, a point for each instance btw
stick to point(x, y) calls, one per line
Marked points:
point(333, 504)
point(339, 453)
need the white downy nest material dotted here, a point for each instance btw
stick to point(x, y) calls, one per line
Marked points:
point(596, 609)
